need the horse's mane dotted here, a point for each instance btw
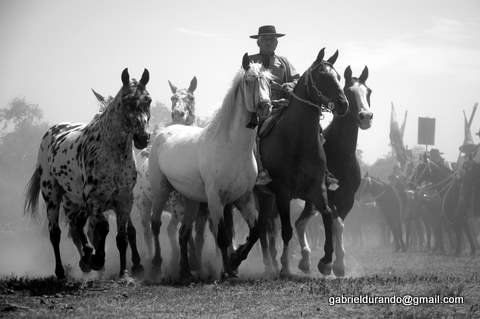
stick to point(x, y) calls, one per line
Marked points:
point(223, 115)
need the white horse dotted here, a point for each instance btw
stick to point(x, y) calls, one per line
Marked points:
point(214, 164)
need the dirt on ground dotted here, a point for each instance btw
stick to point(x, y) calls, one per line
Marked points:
point(370, 272)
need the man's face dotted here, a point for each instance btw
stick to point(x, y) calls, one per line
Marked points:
point(267, 44)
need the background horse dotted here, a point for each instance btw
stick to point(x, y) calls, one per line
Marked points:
point(340, 148)
point(89, 169)
point(389, 203)
point(293, 154)
point(214, 164)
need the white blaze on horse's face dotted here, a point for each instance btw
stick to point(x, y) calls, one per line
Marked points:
point(359, 93)
point(257, 79)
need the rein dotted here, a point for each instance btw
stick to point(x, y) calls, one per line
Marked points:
point(318, 92)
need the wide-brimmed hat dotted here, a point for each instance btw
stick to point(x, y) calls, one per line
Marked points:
point(267, 30)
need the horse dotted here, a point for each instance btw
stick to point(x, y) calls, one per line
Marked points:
point(88, 169)
point(214, 164)
point(293, 154)
point(389, 203)
point(182, 112)
point(459, 199)
point(340, 148)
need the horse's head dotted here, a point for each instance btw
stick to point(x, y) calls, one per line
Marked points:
point(322, 84)
point(358, 94)
point(256, 87)
point(135, 107)
point(183, 103)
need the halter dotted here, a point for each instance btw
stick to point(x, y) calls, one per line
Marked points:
point(253, 121)
point(309, 78)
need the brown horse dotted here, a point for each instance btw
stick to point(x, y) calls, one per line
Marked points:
point(340, 148)
point(294, 155)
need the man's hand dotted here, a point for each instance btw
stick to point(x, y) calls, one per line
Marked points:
point(286, 87)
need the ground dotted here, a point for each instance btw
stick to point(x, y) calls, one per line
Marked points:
point(377, 272)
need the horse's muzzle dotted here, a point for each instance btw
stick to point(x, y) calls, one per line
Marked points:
point(365, 119)
point(140, 141)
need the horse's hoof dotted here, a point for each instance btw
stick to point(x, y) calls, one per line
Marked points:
point(186, 277)
point(285, 273)
point(304, 264)
point(339, 270)
point(97, 262)
point(325, 268)
point(84, 265)
point(137, 270)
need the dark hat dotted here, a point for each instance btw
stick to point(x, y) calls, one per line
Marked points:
point(267, 30)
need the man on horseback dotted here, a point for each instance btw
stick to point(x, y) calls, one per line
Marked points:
point(285, 79)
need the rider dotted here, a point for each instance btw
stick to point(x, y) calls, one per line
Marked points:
point(284, 74)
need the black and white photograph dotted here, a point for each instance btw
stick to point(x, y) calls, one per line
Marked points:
point(240, 159)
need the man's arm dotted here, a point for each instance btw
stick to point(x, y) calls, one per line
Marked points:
point(291, 76)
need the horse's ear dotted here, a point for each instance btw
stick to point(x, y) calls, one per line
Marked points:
point(364, 76)
point(125, 77)
point(320, 55)
point(173, 88)
point(193, 85)
point(333, 58)
point(145, 77)
point(348, 74)
point(246, 62)
point(99, 97)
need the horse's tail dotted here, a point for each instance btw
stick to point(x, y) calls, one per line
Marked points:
point(33, 191)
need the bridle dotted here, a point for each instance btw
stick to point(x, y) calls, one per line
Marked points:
point(310, 86)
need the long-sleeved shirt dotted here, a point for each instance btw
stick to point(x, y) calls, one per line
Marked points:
point(282, 70)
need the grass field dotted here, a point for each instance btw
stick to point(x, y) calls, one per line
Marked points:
point(376, 272)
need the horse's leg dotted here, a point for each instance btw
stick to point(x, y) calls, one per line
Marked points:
point(52, 199)
point(271, 237)
point(200, 224)
point(146, 219)
point(246, 206)
point(264, 244)
point(78, 219)
point(137, 267)
point(98, 230)
point(161, 189)
point(191, 210)
point(300, 226)
point(225, 237)
point(325, 263)
point(123, 217)
point(172, 229)
point(339, 264)
point(283, 205)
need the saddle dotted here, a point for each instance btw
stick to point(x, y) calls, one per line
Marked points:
point(267, 125)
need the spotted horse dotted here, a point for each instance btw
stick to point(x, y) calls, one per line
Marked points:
point(88, 169)
point(182, 112)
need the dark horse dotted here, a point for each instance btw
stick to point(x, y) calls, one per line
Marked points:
point(389, 202)
point(340, 147)
point(458, 201)
point(293, 154)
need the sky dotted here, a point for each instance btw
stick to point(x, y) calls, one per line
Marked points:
point(424, 56)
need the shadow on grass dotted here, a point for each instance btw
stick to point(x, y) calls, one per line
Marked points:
point(39, 286)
